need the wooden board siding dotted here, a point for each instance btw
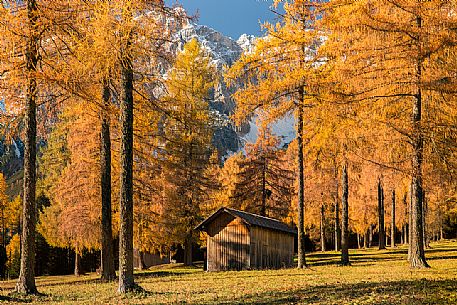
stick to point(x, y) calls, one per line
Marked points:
point(271, 249)
point(228, 244)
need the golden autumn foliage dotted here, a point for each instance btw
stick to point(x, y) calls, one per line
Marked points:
point(370, 84)
point(13, 252)
point(74, 215)
point(188, 131)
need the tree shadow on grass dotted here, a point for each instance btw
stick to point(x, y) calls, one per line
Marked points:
point(14, 299)
point(398, 292)
point(161, 273)
point(81, 281)
point(374, 255)
point(441, 257)
point(18, 298)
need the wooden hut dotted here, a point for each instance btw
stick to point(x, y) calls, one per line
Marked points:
point(238, 240)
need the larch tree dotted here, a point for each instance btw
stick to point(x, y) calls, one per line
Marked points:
point(345, 217)
point(72, 219)
point(30, 32)
point(141, 26)
point(393, 223)
point(12, 15)
point(363, 203)
point(4, 202)
point(188, 133)
point(116, 41)
point(276, 76)
point(117, 44)
point(387, 61)
point(13, 215)
point(264, 184)
point(381, 216)
point(20, 59)
point(228, 179)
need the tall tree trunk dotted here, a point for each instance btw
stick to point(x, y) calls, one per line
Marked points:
point(406, 225)
point(424, 220)
point(365, 239)
point(126, 280)
point(392, 237)
point(381, 228)
point(402, 235)
point(301, 183)
point(337, 213)
point(358, 241)
point(322, 228)
point(26, 281)
point(370, 232)
point(107, 261)
point(410, 221)
point(345, 219)
point(77, 271)
point(416, 245)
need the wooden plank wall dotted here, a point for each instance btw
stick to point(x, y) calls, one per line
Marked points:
point(228, 244)
point(271, 249)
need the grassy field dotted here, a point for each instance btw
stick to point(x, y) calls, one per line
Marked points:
point(375, 277)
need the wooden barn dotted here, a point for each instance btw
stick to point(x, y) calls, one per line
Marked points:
point(239, 240)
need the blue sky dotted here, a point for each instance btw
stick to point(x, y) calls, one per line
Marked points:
point(231, 17)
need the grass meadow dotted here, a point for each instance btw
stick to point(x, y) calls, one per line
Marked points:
point(375, 277)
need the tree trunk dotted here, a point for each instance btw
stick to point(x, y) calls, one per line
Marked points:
point(381, 228)
point(26, 281)
point(416, 245)
point(345, 219)
point(126, 280)
point(365, 239)
point(406, 238)
point(322, 227)
point(337, 214)
point(78, 271)
point(405, 226)
point(392, 237)
point(301, 184)
point(3, 229)
point(358, 241)
point(263, 209)
point(410, 221)
point(107, 261)
point(370, 232)
point(402, 235)
point(424, 220)
point(188, 251)
point(141, 265)
point(441, 233)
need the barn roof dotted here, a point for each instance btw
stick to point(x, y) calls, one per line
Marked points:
point(250, 219)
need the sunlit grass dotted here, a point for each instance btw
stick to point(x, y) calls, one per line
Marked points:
point(375, 277)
